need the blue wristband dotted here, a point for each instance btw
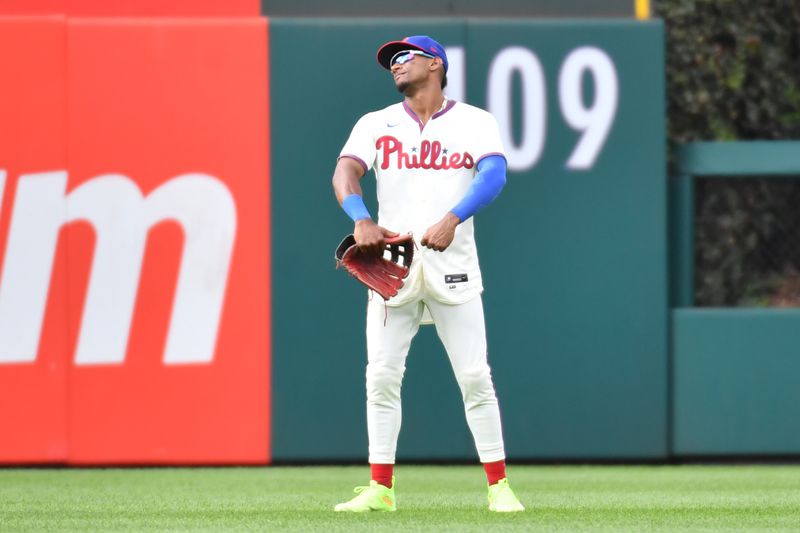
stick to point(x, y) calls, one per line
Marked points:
point(354, 206)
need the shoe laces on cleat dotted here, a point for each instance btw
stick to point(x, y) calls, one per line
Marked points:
point(374, 497)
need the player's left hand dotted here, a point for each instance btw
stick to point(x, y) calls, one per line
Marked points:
point(439, 236)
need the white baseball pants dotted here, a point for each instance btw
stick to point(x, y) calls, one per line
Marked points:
point(462, 330)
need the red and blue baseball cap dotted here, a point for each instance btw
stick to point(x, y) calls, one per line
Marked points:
point(422, 43)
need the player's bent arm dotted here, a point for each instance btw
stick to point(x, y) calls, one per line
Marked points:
point(346, 184)
point(485, 187)
point(346, 178)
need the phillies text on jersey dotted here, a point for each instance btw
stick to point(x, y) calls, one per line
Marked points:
point(422, 172)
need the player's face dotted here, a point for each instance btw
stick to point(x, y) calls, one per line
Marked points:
point(409, 68)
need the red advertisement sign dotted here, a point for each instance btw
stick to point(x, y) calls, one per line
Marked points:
point(33, 394)
point(140, 260)
point(133, 8)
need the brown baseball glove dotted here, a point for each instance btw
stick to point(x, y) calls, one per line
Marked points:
point(384, 273)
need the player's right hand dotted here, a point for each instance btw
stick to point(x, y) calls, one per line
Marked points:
point(370, 236)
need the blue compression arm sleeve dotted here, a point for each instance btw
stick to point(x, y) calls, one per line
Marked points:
point(354, 206)
point(486, 185)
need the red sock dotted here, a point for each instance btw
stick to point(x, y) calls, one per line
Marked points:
point(382, 474)
point(495, 471)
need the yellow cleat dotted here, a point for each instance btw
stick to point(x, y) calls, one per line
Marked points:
point(376, 497)
point(502, 499)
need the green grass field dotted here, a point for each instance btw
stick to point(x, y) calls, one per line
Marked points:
point(430, 498)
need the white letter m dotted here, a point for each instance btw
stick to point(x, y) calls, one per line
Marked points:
point(121, 217)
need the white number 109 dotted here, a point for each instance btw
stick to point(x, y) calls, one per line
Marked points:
point(593, 121)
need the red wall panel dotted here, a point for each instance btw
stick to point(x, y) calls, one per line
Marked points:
point(133, 8)
point(158, 99)
point(33, 395)
point(155, 136)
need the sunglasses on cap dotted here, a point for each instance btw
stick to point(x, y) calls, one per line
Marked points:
point(404, 56)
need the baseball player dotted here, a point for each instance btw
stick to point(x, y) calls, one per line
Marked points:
point(436, 162)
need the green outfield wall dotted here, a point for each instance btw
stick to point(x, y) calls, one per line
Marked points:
point(573, 252)
point(450, 8)
point(735, 371)
point(736, 375)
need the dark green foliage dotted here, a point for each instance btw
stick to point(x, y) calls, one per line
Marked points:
point(733, 69)
point(733, 73)
point(748, 242)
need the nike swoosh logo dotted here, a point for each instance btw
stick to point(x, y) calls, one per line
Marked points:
point(392, 125)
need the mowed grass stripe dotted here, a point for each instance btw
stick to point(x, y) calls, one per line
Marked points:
point(430, 498)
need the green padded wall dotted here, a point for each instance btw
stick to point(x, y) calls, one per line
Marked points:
point(574, 259)
point(450, 8)
point(736, 381)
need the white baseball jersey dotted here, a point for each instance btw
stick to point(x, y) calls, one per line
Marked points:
point(422, 172)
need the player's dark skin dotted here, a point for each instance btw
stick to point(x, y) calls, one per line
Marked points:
point(420, 81)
